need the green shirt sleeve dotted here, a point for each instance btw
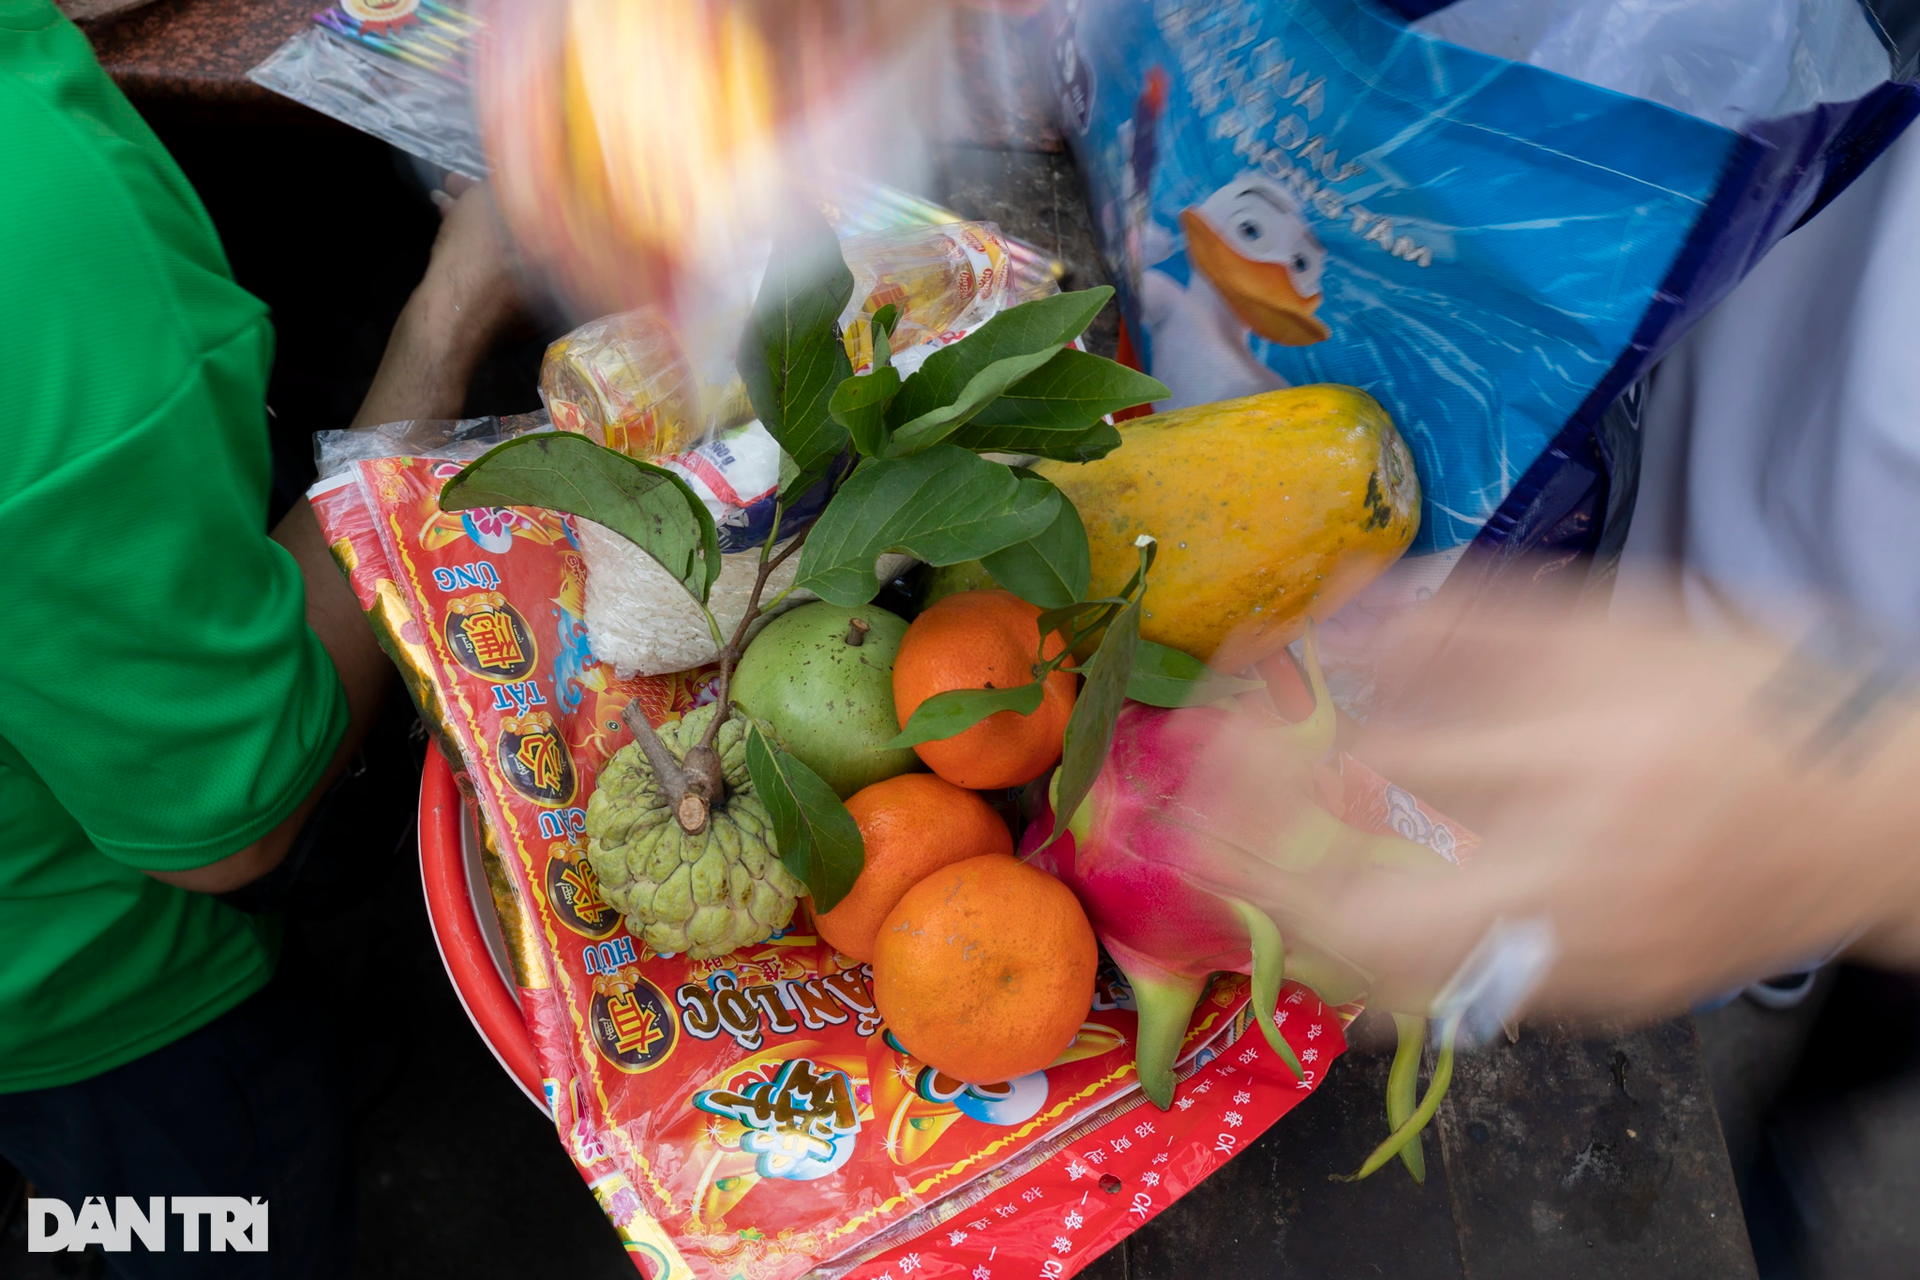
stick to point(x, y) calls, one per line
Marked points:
point(156, 671)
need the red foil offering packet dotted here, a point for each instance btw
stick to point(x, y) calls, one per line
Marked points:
point(750, 1116)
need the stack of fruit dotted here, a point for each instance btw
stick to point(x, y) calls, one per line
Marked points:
point(1076, 626)
point(982, 966)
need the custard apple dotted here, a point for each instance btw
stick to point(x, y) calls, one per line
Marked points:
point(704, 894)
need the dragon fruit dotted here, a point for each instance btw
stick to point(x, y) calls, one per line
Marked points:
point(1178, 843)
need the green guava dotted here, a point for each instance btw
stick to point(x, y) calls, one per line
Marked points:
point(822, 677)
point(951, 580)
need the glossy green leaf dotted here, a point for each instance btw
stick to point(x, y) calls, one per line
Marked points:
point(1052, 568)
point(649, 506)
point(1018, 331)
point(1164, 677)
point(957, 710)
point(791, 357)
point(1069, 393)
point(818, 840)
point(1090, 727)
point(942, 506)
point(1095, 711)
point(860, 404)
point(884, 321)
point(986, 386)
point(1085, 445)
point(791, 478)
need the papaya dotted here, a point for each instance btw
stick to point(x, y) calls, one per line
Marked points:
point(1268, 510)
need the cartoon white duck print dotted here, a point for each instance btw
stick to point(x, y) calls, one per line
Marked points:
point(1255, 268)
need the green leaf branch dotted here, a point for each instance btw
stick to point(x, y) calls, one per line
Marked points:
point(904, 458)
point(818, 840)
point(1096, 711)
point(649, 506)
point(1163, 677)
point(957, 710)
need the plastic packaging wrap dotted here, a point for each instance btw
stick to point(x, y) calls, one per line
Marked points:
point(943, 281)
point(861, 206)
point(457, 440)
point(422, 112)
point(1314, 191)
point(624, 381)
point(749, 1115)
point(1727, 61)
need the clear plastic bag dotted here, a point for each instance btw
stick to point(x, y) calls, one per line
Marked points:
point(461, 440)
point(1728, 61)
point(623, 1039)
point(419, 111)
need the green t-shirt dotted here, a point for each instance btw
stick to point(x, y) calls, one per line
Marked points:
point(162, 701)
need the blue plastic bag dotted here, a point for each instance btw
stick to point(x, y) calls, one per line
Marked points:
point(1296, 191)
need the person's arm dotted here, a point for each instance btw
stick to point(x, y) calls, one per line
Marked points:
point(467, 297)
point(443, 333)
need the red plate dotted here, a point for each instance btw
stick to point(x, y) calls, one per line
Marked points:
point(475, 957)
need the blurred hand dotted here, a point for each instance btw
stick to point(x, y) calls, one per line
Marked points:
point(1690, 813)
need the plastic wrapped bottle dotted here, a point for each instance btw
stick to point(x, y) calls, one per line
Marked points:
point(944, 279)
point(624, 381)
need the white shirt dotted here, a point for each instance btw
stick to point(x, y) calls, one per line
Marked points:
point(1783, 434)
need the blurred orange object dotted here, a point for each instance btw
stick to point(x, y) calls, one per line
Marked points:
point(641, 151)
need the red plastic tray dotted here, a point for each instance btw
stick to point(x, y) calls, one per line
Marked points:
point(453, 879)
